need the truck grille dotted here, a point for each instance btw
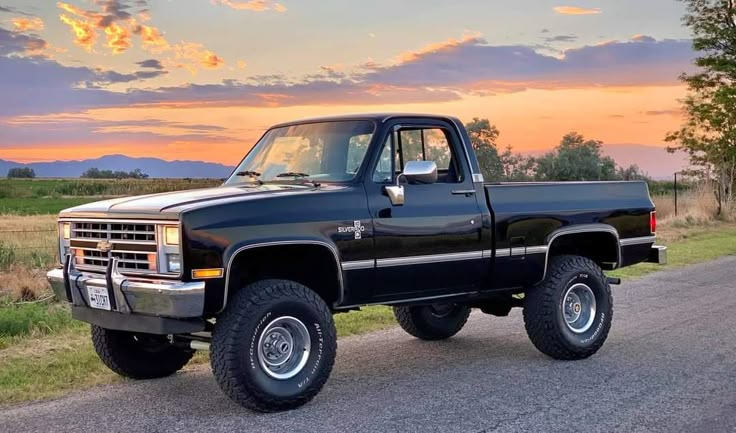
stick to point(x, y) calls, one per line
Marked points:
point(93, 243)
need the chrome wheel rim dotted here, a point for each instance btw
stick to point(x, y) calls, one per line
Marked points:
point(283, 348)
point(578, 308)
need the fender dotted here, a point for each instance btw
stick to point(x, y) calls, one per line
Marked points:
point(263, 244)
point(582, 228)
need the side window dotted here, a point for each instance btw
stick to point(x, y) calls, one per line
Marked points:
point(419, 144)
point(383, 168)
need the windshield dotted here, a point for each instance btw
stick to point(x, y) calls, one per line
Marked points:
point(320, 152)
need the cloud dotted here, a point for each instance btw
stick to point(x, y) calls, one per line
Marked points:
point(252, 5)
point(190, 55)
point(444, 71)
point(32, 24)
point(12, 10)
point(561, 38)
point(83, 128)
point(17, 43)
point(151, 63)
point(119, 20)
point(672, 112)
point(474, 66)
point(574, 10)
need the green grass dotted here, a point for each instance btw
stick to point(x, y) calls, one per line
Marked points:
point(700, 246)
point(42, 188)
point(44, 354)
point(18, 321)
point(41, 205)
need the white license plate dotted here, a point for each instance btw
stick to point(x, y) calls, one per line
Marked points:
point(98, 298)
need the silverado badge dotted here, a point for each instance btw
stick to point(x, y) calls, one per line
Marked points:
point(357, 228)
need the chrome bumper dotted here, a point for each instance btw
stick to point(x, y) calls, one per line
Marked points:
point(128, 295)
point(658, 254)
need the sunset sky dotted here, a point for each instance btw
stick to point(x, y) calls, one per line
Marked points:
point(201, 79)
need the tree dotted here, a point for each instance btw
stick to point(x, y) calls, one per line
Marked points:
point(483, 138)
point(21, 172)
point(96, 173)
point(708, 133)
point(516, 167)
point(575, 159)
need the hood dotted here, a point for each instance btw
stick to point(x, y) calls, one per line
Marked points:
point(168, 205)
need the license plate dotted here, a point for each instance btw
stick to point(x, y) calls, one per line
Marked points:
point(98, 298)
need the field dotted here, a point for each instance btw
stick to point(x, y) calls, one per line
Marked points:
point(44, 353)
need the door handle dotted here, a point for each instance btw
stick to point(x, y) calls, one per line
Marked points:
point(463, 192)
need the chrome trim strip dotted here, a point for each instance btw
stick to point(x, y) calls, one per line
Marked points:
point(434, 258)
point(334, 251)
point(542, 249)
point(638, 241)
point(358, 264)
point(403, 301)
point(113, 220)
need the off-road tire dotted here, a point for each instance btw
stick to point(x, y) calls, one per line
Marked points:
point(236, 336)
point(543, 309)
point(422, 322)
point(138, 356)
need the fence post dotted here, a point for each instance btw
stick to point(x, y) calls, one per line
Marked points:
point(675, 194)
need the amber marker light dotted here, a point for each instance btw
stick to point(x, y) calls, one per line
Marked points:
point(206, 273)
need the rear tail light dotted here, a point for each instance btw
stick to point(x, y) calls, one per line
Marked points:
point(653, 222)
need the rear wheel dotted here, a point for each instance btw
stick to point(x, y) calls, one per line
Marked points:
point(274, 346)
point(432, 322)
point(138, 356)
point(569, 314)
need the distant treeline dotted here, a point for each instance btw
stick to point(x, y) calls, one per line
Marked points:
point(96, 173)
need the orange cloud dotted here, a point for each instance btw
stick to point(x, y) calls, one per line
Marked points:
point(118, 38)
point(152, 38)
point(118, 29)
point(252, 5)
point(190, 55)
point(574, 10)
point(84, 31)
point(468, 39)
point(27, 24)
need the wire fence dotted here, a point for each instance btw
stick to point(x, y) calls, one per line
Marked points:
point(34, 248)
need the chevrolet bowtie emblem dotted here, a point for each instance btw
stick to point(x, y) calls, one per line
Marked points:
point(104, 246)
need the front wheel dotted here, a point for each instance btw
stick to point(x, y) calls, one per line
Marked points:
point(432, 322)
point(569, 314)
point(138, 356)
point(274, 346)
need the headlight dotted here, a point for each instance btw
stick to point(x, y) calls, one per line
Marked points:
point(171, 235)
point(66, 230)
point(173, 263)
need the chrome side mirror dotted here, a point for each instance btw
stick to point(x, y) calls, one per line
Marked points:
point(420, 172)
point(414, 171)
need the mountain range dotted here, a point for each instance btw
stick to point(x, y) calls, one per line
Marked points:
point(653, 160)
point(153, 167)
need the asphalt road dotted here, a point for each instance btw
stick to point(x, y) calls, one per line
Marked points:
point(669, 365)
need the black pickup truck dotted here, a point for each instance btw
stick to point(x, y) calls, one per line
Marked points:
point(325, 216)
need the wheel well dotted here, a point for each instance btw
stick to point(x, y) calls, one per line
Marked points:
point(312, 265)
point(601, 247)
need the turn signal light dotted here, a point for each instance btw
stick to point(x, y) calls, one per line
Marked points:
point(207, 273)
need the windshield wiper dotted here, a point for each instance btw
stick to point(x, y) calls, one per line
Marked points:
point(252, 174)
point(248, 173)
point(299, 175)
point(292, 174)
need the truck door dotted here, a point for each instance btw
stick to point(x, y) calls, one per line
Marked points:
point(431, 245)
